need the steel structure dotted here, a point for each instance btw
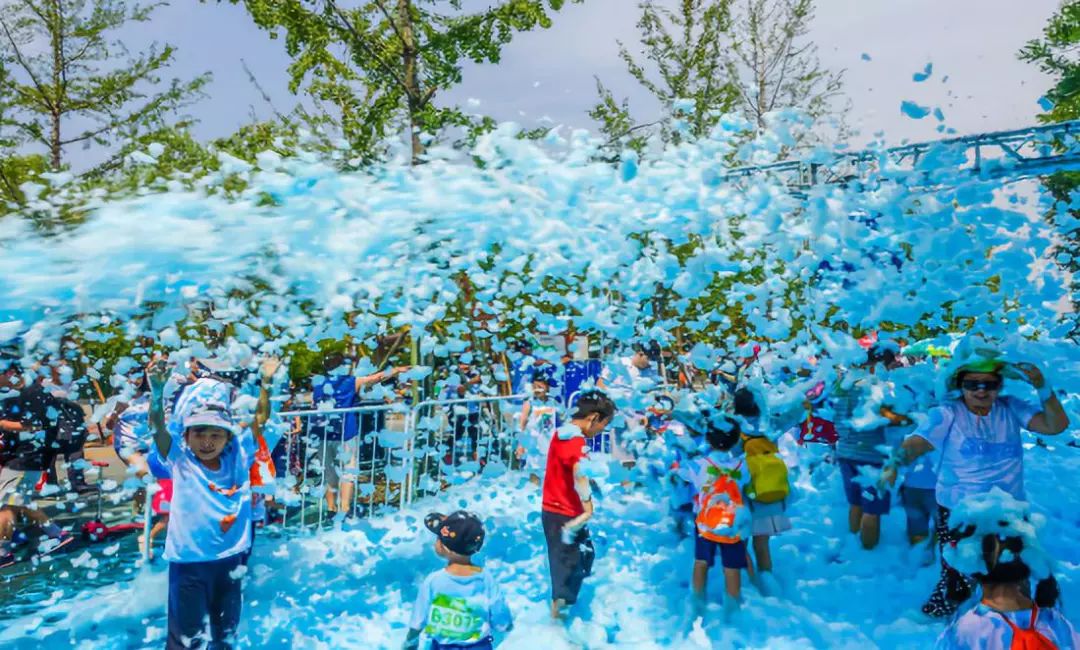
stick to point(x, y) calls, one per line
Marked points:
point(1021, 153)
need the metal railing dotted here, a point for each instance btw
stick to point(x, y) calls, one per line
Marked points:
point(386, 465)
point(457, 443)
point(363, 465)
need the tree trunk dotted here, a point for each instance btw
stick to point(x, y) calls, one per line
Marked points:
point(56, 44)
point(411, 76)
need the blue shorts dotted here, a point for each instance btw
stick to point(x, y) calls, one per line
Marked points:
point(920, 506)
point(732, 555)
point(872, 499)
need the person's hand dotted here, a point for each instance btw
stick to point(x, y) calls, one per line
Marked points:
point(1031, 374)
point(888, 477)
point(269, 368)
point(568, 533)
point(157, 373)
point(400, 370)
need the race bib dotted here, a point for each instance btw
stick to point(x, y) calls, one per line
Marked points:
point(452, 619)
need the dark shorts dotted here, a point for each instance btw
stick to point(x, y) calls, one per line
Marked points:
point(872, 499)
point(732, 555)
point(920, 506)
point(201, 592)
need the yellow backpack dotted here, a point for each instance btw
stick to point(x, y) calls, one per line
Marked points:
point(768, 473)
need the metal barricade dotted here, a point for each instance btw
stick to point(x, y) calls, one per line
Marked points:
point(445, 446)
point(364, 466)
point(604, 442)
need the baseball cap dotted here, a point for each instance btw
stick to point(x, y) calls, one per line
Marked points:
point(210, 414)
point(460, 532)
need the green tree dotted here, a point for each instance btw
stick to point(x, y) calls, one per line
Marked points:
point(710, 57)
point(1056, 55)
point(774, 64)
point(70, 85)
point(398, 55)
point(684, 60)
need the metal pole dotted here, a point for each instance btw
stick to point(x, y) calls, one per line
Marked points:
point(148, 515)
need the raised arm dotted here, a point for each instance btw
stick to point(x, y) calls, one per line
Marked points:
point(1052, 420)
point(157, 373)
point(378, 377)
point(262, 408)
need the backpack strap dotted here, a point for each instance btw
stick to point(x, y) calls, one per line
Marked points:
point(720, 469)
point(1034, 618)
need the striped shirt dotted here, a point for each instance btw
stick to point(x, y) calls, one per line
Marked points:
point(858, 443)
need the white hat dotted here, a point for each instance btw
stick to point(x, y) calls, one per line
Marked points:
point(210, 414)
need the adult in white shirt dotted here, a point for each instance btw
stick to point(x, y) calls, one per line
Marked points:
point(980, 443)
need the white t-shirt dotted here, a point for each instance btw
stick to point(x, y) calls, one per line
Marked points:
point(986, 629)
point(978, 452)
point(132, 428)
point(459, 610)
point(210, 512)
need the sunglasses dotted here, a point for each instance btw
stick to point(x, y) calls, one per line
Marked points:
point(984, 384)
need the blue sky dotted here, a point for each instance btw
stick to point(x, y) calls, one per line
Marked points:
point(550, 72)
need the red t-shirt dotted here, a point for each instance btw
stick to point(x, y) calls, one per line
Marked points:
point(560, 496)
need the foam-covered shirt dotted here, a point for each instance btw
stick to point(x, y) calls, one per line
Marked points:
point(982, 628)
point(132, 428)
point(924, 471)
point(978, 452)
point(458, 610)
point(337, 391)
point(566, 450)
point(857, 439)
point(210, 512)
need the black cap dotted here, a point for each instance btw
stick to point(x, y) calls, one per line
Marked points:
point(460, 532)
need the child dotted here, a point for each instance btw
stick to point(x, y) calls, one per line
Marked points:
point(720, 478)
point(539, 419)
point(918, 495)
point(461, 605)
point(768, 488)
point(567, 500)
point(1008, 616)
point(210, 516)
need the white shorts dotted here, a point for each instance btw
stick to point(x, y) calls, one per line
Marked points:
point(17, 486)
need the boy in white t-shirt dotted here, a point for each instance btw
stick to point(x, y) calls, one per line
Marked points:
point(459, 606)
point(210, 516)
point(538, 420)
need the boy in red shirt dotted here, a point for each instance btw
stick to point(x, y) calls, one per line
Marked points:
point(567, 504)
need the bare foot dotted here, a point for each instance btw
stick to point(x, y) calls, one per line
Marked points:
point(558, 612)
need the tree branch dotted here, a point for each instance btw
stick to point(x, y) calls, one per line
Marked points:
point(389, 19)
point(26, 66)
point(360, 41)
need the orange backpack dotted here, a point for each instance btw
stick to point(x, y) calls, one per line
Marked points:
point(1029, 638)
point(719, 501)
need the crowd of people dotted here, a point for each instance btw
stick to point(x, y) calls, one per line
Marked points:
point(721, 449)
